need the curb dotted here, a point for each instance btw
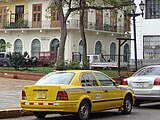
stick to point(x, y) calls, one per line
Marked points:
point(13, 113)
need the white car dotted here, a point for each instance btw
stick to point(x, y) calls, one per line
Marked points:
point(145, 83)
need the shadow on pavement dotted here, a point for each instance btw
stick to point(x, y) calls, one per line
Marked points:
point(151, 105)
point(97, 115)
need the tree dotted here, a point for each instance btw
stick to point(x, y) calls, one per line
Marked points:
point(77, 5)
point(82, 4)
point(5, 45)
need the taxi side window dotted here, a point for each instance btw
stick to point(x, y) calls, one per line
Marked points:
point(88, 79)
point(104, 80)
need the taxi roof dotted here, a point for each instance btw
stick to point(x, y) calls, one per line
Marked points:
point(75, 71)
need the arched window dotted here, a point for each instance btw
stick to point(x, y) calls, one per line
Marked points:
point(18, 46)
point(35, 48)
point(126, 53)
point(81, 47)
point(2, 48)
point(113, 51)
point(54, 45)
point(98, 47)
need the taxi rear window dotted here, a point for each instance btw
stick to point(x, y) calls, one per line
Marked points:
point(56, 78)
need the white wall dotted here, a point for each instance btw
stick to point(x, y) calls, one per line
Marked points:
point(139, 34)
point(72, 41)
point(151, 27)
point(27, 36)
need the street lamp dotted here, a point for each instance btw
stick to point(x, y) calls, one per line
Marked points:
point(133, 14)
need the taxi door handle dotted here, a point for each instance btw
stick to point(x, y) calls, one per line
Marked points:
point(88, 91)
point(106, 91)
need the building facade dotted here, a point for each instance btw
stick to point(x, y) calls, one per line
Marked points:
point(24, 24)
point(148, 34)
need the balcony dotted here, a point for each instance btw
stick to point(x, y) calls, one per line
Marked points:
point(95, 26)
point(15, 25)
point(70, 24)
point(14, 20)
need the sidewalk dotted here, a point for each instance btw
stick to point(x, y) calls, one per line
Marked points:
point(10, 96)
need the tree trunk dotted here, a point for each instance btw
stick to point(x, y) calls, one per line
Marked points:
point(63, 29)
point(62, 40)
point(60, 64)
point(83, 36)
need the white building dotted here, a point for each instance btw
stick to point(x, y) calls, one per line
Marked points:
point(148, 33)
point(24, 24)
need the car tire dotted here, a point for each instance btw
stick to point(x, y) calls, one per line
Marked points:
point(40, 114)
point(127, 105)
point(84, 110)
point(137, 103)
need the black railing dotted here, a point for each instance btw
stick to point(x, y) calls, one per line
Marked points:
point(70, 24)
point(76, 56)
point(114, 58)
point(14, 25)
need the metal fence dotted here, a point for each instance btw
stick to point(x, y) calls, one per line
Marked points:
point(73, 23)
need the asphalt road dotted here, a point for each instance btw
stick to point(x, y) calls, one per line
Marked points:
point(10, 92)
point(145, 112)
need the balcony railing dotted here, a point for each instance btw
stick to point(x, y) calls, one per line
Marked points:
point(95, 26)
point(70, 24)
point(14, 25)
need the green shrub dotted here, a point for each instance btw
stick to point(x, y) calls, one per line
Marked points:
point(73, 65)
point(66, 65)
point(18, 60)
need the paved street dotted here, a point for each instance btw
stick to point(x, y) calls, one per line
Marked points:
point(145, 112)
point(10, 92)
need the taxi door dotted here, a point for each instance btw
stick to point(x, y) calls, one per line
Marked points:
point(93, 90)
point(112, 93)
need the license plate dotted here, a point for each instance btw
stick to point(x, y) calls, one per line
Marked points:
point(140, 85)
point(41, 95)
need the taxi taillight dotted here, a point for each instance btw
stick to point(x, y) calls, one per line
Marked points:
point(124, 82)
point(24, 95)
point(62, 95)
point(157, 81)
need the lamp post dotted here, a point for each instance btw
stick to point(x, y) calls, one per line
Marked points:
point(133, 14)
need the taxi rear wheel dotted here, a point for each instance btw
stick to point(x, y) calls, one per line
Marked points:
point(84, 110)
point(40, 114)
point(127, 106)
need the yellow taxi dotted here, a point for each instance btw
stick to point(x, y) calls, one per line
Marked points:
point(76, 91)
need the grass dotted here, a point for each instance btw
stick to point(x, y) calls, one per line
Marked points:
point(111, 73)
point(45, 70)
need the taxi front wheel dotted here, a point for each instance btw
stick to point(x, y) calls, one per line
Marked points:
point(84, 110)
point(127, 106)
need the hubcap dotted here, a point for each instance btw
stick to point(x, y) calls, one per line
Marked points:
point(84, 111)
point(128, 105)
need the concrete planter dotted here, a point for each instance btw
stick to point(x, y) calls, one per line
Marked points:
point(21, 75)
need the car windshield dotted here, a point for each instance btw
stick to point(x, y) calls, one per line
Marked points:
point(56, 78)
point(148, 71)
